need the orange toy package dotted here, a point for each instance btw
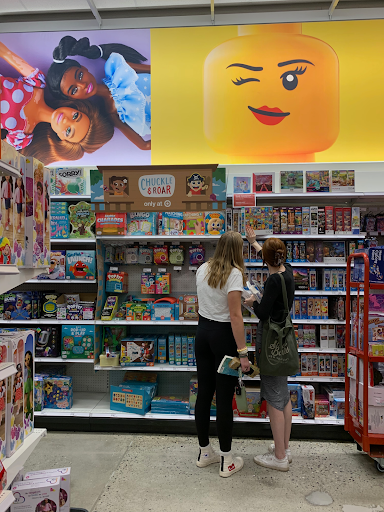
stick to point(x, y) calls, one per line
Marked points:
point(111, 224)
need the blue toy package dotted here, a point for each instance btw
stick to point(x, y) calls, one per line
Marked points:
point(376, 264)
point(163, 309)
point(133, 397)
point(170, 405)
point(77, 341)
point(171, 349)
point(214, 223)
point(81, 265)
point(58, 392)
point(295, 395)
point(141, 223)
point(60, 226)
point(172, 223)
point(184, 350)
point(196, 254)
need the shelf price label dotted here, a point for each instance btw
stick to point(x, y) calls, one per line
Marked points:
point(177, 268)
point(147, 270)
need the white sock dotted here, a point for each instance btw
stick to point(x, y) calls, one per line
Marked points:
point(225, 454)
point(205, 448)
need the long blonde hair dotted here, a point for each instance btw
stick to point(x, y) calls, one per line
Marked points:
point(228, 255)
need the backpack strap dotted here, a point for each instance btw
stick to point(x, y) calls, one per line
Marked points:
point(284, 290)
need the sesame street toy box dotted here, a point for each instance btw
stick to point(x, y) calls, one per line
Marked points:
point(81, 265)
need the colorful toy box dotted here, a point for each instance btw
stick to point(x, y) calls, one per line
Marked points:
point(60, 226)
point(255, 407)
point(82, 220)
point(188, 307)
point(308, 401)
point(81, 265)
point(70, 181)
point(295, 395)
point(77, 341)
point(56, 267)
point(214, 223)
point(139, 311)
point(138, 351)
point(376, 264)
point(49, 305)
point(172, 223)
point(163, 283)
point(170, 405)
point(19, 215)
point(176, 255)
point(166, 308)
point(141, 223)
point(116, 282)
point(193, 223)
point(110, 308)
point(64, 474)
point(58, 392)
point(39, 393)
point(321, 406)
point(148, 283)
point(111, 224)
point(38, 495)
point(133, 397)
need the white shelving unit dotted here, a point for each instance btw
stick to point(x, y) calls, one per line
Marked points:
point(73, 241)
point(71, 198)
point(12, 276)
point(6, 500)
point(62, 281)
point(45, 321)
point(61, 360)
point(302, 264)
point(160, 238)
point(6, 370)
point(14, 464)
point(6, 169)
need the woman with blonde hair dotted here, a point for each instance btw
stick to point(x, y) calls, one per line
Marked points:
point(274, 390)
point(220, 333)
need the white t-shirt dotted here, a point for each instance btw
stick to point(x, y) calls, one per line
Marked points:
point(213, 302)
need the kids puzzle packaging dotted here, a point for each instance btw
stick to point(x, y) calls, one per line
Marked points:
point(77, 341)
point(81, 265)
point(58, 392)
point(214, 223)
point(193, 223)
point(64, 474)
point(141, 223)
point(38, 495)
point(138, 351)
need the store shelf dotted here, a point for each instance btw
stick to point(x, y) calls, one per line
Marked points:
point(73, 240)
point(62, 281)
point(8, 170)
point(313, 237)
point(316, 195)
point(160, 238)
point(157, 368)
point(146, 322)
point(302, 264)
point(6, 500)
point(83, 404)
point(13, 277)
point(46, 321)
point(319, 350)
point(71, 198)
point(14, 464)
point(6, 370)
point(61, 360)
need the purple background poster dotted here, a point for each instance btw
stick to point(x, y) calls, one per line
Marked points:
point(36, 49)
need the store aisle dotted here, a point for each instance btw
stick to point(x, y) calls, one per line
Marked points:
point(157, 473)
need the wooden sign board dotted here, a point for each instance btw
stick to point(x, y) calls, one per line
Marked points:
point(157, 188)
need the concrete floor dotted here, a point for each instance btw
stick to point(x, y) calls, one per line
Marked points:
point(157, 473)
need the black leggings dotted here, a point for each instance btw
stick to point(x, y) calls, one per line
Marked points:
point(214, 340)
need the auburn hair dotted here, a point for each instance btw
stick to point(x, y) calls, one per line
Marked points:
point(48, 148)
point(228, 255)
point(274, 252)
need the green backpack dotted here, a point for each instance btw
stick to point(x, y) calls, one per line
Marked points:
point(279, 356)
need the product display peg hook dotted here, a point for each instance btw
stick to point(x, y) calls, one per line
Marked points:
point(213, 12)
point(332, 8)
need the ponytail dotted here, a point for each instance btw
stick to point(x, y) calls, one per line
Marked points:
point(69, 46)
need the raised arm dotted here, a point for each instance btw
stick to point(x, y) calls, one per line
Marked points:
point(130, 134)
point(15, 61)
point(251, 237)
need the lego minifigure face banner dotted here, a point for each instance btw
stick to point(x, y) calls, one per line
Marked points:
point(268, 93)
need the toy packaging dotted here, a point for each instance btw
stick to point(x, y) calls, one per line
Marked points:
point(317, 181)
point(7, 255)
point(171, 349)
point(214, 223)
point(242, 184)
point(170, 405)
point(166, 308)
point(291, 181)
point(64, 474)
point(19, 215)
point(111, 224)
point(148, 283)
point(172, 223)
point(162, 349)
point(163, 283)
point(314, 220)
point(132, 255)
point(116, 282)
point(60, 226)
point(334, 252)
point(81, 265)
point(343, 181)
point(58, 392)
point(142, 223)
point(38, 495)
point(176, 255)
point(133, 397)
point(376, 264)
point(308, 401)
point(321, 406)
point(39, 393)
point(263, 182)
point(70, 181)
point(77, 341)
point(82, 219)
point(139, 311)
point(56, 266)
point(295, 395)
point(3, 400)
point(188, 307)
point(49, 305)
point(145, 255)
point(110, 308)
point(138, 351)
point(194, 223)
point(196, 254)
point(160, 255)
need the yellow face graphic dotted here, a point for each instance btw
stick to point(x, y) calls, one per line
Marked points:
point(273, 94)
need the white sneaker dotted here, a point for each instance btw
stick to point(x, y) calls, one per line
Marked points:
point(271, 449)
point(270, 461)
point(230, 465)
point(207, 456)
